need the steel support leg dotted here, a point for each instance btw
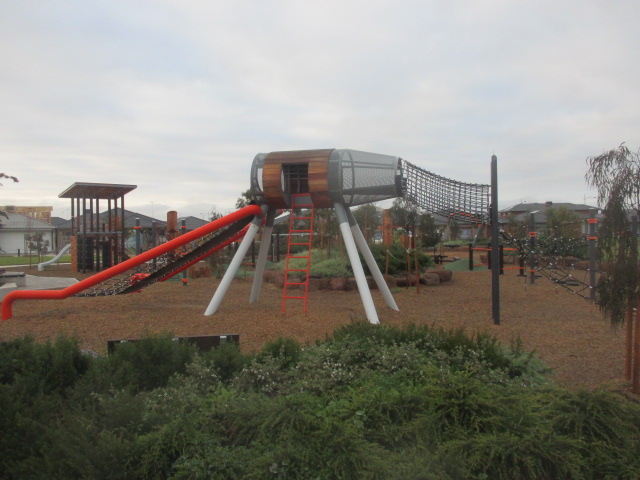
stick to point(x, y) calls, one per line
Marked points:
point(233, 267)
point(261, 261)
point(358, 271)
point(371, 262)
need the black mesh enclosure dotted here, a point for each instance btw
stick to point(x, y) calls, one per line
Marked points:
point(359, 177)
point(463, 202)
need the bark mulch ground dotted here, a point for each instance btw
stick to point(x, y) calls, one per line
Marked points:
point(567, 332)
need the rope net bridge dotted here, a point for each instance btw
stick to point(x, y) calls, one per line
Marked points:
point(463, 202)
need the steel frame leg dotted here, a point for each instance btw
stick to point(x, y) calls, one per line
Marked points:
point(229, 275)
point(358, 271)
point(261, 261)
point(371, 262)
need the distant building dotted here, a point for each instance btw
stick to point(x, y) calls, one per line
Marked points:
point(521, 212)
point(39, 213)
point(101, 222)
point(191, 223)
point(15, 230)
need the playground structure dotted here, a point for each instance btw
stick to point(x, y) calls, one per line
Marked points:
point(533, 262)
point(97, 242)
point(297, 180)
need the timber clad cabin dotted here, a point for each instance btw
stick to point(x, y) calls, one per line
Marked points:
point(344, 176)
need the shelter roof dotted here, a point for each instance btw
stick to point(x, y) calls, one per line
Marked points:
point(106, 191)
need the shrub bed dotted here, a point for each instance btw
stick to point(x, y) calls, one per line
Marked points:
point(368, 402)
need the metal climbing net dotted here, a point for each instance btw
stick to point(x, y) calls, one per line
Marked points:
point(566, 272)
point(462, 202)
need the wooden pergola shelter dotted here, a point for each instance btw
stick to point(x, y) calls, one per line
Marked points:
point(96, 243)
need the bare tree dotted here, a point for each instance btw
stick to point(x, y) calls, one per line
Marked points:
point(616, 176)
point(15, 180)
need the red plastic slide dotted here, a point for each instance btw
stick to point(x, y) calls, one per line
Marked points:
point(100, 277)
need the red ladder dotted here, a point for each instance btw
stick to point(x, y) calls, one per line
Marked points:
point(300, 236)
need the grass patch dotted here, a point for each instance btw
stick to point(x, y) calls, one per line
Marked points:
point(33, 260)
point(462, 265)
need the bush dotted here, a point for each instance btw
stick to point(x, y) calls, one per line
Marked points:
point(369, 402)
point(397, 259)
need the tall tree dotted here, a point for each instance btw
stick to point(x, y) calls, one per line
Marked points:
point(244, 199)
point(429, 233)
point(368, 219)
point(616, 176)
point(562, 222)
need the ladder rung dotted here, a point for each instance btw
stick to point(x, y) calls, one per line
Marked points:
point(296, 270)
point(299, 256)
point(300, 243)
point(300, 298)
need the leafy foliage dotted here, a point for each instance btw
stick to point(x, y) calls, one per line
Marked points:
point(370, 402)
point(616, 175)
point(337, 266)
point(397, 258)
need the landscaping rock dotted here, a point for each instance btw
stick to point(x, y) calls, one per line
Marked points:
point(278, 278)
point(403, 282)
point(445, 275)
point(338, 283)
point(430, 279)
point(391, 281)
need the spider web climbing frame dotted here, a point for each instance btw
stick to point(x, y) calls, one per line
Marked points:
point(463, 202)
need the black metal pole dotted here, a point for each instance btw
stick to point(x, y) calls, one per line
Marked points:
point(495, 243)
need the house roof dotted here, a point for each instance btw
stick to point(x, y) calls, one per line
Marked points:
point(18, 221)
point(129, 220)
point(522, 211)
point(192, 222)
point(531, 207)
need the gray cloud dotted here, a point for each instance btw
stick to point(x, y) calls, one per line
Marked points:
point(177, 97)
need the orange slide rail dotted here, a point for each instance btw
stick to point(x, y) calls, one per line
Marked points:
point(7, 303)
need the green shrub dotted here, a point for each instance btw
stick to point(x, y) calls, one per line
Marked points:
point(286, 349)
point(369, 402)
point(141, 365)
point(397, 259)
point(48, 367)
point(227, 360)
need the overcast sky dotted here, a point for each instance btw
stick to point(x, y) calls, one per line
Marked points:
point(177, 97)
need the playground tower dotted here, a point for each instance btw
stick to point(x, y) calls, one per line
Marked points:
point(331, 178)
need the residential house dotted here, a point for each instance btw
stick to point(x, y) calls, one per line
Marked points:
point(518, 215)
point(16, 229)
point(150, 237)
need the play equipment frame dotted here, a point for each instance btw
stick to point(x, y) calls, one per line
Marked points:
point(7, 303)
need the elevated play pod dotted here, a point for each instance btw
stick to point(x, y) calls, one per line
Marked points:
point(348, 177)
